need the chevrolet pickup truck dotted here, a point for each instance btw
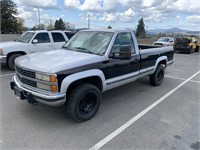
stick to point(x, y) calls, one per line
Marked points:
point(32, 42)
point(90, 63)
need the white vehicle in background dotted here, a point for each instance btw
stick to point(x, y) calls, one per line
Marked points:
point(32, 42)
point(164, 41)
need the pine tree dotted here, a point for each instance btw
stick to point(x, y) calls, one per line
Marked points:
point(59, 25)
point(9, 23)
point(109, 27)
point(140, 31)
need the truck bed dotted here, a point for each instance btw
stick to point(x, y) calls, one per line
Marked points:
point(144, 46)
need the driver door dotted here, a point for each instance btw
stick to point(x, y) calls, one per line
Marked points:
point(41, 42)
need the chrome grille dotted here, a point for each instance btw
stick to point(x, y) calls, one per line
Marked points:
point(26, 81)
point(25, 76)
point(24, 72)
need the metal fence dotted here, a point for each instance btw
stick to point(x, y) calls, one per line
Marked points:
point(8, 37)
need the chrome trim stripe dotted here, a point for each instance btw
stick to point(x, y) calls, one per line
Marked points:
point(147, 70)
point(122, 78)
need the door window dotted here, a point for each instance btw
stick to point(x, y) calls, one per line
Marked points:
point(42, 38)
point(58, 37)
point(69, 34)
point(123, 39)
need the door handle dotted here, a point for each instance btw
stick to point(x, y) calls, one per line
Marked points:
point(136, 60)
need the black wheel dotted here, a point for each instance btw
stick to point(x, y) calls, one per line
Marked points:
point(190, 51)
point(157, 77)
point(197, 49)
point(83, 102)
point(11, 61)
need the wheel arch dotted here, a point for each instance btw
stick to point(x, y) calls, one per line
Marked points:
point(161, 60)
point(94, 76)
point(12, 53)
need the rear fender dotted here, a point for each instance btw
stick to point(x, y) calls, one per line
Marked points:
point(161, 60)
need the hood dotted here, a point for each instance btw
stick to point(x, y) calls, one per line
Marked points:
point(8, 46)
point(55, 61)
point(162, 42)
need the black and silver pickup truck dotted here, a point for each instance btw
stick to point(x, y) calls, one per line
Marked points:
point(92, 62)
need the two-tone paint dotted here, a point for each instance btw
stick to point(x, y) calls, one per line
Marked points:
point(106, 72)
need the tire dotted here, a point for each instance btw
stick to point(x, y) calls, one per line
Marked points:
point(157, 77)
point(190, 51)
point(197, 49)
point(11, 61)
point(83, 102)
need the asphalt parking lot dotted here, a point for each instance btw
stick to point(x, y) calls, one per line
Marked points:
point(133, 116)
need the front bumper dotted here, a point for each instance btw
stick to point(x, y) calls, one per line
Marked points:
point(32, 96)
point(3, 59)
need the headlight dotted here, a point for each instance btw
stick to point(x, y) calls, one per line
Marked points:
point(44, 86)
point(52, 88)
point(1, 51)
point(50, 78)
point(50, 85)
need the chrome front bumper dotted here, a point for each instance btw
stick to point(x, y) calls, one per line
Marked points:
point(32, 96)
point(3, 59)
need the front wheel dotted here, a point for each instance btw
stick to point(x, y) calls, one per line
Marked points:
point(83, 102)
point(11, 61)
point(157, 77)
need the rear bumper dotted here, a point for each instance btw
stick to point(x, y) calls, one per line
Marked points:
point(32, 96)
point(3, 59)
point(182, 49)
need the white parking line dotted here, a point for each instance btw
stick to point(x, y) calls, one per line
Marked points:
point(138, 116)
point(181, 79)
point(4, 75)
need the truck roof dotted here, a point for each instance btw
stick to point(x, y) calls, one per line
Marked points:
point(38, 31)
point(108, 30)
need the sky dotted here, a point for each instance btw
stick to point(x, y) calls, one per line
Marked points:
point(157, 14)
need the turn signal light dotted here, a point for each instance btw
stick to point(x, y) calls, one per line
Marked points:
point(52, 78)
point(53, 88)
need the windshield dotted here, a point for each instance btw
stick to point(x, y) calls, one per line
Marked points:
point(164, 39)
point(95, 42)
point(26, 37)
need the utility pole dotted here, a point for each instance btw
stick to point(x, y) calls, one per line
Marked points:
point(38, 17)
point(147, 32)
point(88, 21)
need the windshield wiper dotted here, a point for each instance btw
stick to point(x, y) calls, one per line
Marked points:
point(20, 41)
point(84, 50)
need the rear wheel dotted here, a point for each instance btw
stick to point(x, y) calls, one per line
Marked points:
point(190, 51)
point(197, 49)
point(157, 77)
point(83, 102)
point(11, 61)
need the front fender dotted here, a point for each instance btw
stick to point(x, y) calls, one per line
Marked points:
point(12, 48)
point(81, 75)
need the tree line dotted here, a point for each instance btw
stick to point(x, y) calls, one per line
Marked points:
point(12, 24)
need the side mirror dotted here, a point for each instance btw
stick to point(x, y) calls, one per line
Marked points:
point(123, 54)
point(35, 41)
